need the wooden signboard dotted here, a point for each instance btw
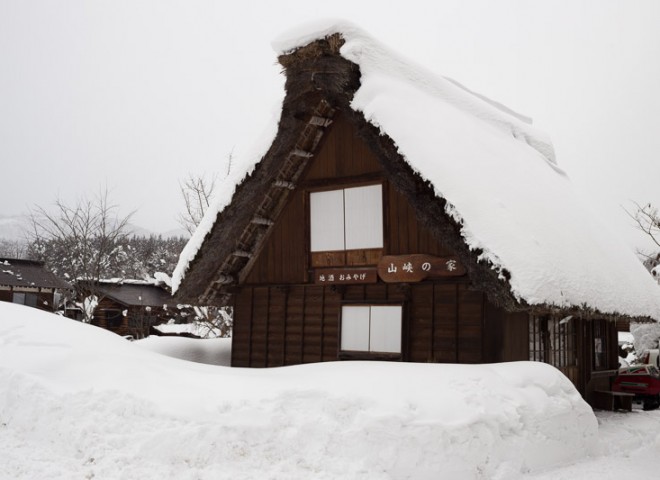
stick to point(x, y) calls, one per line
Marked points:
point(334, 276)
point(417, 267)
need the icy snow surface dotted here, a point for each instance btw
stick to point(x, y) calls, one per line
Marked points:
point(497, 173)
point(80, 402)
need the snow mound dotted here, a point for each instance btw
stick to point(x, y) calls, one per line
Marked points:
point(80, 402)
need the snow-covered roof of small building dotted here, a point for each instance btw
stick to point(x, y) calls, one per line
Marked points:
point(28, 273)
point(135, 293)
point(495, 172)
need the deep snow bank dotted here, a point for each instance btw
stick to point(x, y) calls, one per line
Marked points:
point(77, 401)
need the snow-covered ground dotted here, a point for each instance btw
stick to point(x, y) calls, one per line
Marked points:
point(79, 402)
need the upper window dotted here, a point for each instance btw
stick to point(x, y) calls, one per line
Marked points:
point(347, 219)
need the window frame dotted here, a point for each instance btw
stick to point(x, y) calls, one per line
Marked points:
point(335, 189)
point(29, 299)
point(371, 354)
point(114, 318)
point(554, 340)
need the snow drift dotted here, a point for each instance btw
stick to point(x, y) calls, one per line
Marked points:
point(79, 402)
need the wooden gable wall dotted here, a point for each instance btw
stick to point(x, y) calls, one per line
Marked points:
point(282, 318)
point(343, 159)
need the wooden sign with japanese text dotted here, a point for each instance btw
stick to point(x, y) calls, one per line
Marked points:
point(334, 276)
point(417, 267)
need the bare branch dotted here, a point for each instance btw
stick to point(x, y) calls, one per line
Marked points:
point(647, 219)
point(197, 192)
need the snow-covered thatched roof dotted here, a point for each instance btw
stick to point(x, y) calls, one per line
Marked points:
point(492, 178)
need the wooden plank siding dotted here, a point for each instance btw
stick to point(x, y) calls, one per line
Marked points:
point(342, 155)
point(406, 234)
point(289, 325)
point(282, 258)
point(102, 317)
point(506, 336)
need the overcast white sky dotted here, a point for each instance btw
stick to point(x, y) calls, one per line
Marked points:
point(136, 94)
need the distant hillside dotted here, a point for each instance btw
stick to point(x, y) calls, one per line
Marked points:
point(13, 227)
point(143, 232)
point(177, 232)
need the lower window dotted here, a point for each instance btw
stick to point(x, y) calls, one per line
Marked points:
point(371, 328)
point(29, 299)
point(113, 318)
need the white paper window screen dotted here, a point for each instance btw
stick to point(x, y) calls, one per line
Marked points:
point(327, 220)
point(346, 219)
point(363, 208)
point(375, 328)
point(355, 328)
point(385, 331)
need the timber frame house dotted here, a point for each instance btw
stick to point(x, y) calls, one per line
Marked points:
point(130, 307)
point(334, 248)
point(28, 282)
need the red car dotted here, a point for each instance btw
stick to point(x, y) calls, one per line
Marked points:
point(642, 380)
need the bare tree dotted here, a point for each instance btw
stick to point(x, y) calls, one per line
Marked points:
point(196, 192)
point(647, 218)
point(82, 242)
point(13, 248)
